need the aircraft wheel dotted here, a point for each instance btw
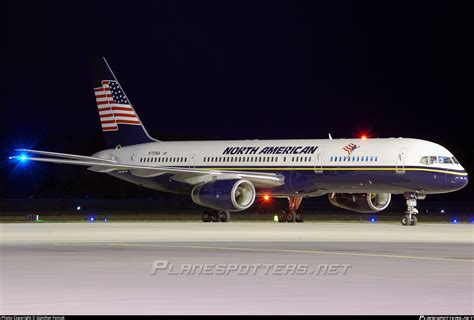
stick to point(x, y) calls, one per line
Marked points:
point(282, 217)
point(414, 220)
point(406, 220)
point(215, 216)
point(299, 217)
point(291, 216)
point(206, 217)
point(225, 216)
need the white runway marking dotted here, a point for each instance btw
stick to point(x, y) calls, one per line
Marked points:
point(297, 251)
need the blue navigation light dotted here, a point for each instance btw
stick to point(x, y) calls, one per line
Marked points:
point(23, 157)
point(373, 219)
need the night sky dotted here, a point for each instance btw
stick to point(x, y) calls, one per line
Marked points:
point(231, 70)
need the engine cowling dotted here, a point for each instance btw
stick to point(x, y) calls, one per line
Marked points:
point(227, 195)
point(361, 202)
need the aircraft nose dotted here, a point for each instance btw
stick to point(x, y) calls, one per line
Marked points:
point(456, 182)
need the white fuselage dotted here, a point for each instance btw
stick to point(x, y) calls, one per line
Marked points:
point(323, 158)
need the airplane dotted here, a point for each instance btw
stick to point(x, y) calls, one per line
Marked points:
point(359, 175)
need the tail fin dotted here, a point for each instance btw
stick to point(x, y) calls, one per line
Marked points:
point(120, 123)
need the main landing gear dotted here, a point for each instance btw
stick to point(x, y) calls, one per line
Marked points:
point(293, 214)
point(409, 219)
point(215, 216)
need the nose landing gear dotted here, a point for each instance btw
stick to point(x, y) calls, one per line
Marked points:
point(410, 219)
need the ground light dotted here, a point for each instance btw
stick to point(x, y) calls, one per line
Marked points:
point(455, 220)
point(373, 219)
point(275, 218)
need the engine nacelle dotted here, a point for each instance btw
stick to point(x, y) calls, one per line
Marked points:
point(227, 195)
point(361, 202)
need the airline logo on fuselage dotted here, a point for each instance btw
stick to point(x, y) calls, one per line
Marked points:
point(271, 150)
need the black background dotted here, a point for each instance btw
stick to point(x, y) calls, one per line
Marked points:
point(231, 70)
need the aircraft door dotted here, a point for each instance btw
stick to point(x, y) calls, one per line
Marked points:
point(400, 163)
point(192, 160)
point(318, 160)
point(134, 156)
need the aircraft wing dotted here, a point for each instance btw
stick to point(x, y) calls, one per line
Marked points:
point(188, 175)
point(64, 155)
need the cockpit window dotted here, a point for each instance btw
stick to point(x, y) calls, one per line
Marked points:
point(444, 160)
point(437, 159)
point(455, 160)
point(429, 160)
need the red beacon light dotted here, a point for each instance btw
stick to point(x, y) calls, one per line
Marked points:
point(364, 137)
point(266, 197)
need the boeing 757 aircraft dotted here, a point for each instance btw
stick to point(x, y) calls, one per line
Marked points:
point(224, 176)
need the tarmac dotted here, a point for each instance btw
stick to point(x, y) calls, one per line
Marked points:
point(236, 268)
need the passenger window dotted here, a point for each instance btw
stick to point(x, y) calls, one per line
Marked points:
point(376, 158)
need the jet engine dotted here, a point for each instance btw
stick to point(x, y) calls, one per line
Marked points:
point(227, 195)
point(361, 202)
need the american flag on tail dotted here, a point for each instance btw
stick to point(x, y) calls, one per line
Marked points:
point(349, 148)
point(114, 107)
